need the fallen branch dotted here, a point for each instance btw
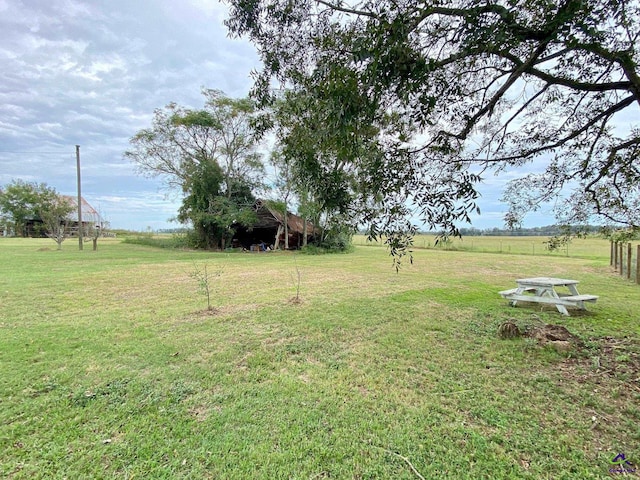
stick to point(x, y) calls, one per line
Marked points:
point(405, 459)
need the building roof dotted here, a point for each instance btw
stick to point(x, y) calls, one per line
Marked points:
point(273, 217)
point(89, 214)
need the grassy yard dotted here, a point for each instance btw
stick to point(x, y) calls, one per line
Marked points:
point(112, 368)
point(589, 247)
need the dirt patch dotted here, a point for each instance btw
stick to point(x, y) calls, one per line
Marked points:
point(610, 357)
point(555, 336)
point(607, 361)
point(613, 357)
point(294, 301)
point(207, 312)
point(551, 333)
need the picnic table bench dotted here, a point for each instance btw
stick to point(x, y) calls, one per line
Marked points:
point(543, 290)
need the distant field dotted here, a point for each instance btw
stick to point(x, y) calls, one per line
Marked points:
point(111, 367)
point(591, 247)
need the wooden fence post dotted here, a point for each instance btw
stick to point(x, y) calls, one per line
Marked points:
point(615, 256)
point(638, 266)
point(629, 260)
point(611, 254)
point(621, 259)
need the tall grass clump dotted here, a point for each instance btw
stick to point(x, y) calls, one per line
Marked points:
point(173, 241)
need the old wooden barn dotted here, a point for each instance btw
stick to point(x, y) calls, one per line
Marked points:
point(90, 219)
point(268, 230)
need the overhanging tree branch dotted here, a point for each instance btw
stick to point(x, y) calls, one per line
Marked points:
point(575, 133)
point(456, 76)
point(350, 11)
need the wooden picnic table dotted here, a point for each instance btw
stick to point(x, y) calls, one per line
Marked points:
point(543, 290)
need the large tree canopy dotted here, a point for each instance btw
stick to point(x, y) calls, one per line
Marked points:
point(394, 103)
point(211, 156)
point(180, 139)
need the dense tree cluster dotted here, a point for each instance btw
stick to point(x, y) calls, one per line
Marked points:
point(211, 156)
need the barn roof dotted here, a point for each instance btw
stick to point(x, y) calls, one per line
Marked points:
point(89, 214)
point(270, 217)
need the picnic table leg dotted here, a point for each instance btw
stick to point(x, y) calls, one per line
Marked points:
point(561, 308)
point(551, 292)
point(580, 305)
point(513, 303)
point(574, 291)
point(519, 291)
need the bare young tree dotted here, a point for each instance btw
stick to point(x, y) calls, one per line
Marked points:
point(96, 230)
point(284, 187)
point(54, 214)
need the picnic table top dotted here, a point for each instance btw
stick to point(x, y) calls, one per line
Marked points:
point(546, 281)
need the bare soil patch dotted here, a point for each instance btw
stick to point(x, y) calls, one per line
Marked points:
point(616, 358)
point(555, 336)
point(612, 358)
point(294, 301)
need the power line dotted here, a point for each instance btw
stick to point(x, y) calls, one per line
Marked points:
point(34, 153)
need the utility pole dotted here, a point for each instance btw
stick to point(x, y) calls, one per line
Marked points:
point(79, 198)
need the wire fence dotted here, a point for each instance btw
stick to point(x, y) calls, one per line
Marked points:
point(625, 259)
point(593, 247)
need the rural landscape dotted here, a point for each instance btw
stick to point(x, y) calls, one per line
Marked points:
point(310, 366)
point(320, 239)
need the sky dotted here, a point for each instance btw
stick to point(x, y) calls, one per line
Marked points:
point(91, 73)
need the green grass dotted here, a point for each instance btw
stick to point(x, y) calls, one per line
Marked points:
point(590, 247)
point(112, 368)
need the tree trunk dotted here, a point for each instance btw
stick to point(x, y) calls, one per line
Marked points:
point(276, 244)
point(304, 232)
point(286, 231)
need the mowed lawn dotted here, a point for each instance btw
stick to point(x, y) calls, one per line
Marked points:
point(111, 367)
point(589, 247)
